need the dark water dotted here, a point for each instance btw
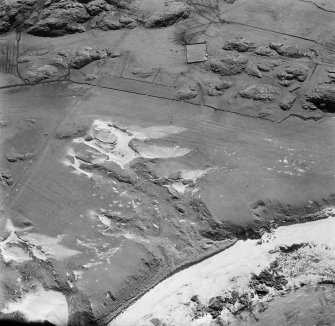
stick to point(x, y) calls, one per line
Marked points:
point(309, 306)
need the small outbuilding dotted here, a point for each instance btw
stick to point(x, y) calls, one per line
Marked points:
point(196, 52)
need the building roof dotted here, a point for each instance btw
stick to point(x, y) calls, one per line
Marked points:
point(196, 52)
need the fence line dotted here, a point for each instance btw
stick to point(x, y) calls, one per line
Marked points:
point(8, 54)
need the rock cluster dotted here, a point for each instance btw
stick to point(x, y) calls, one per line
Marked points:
point(14, 156)
point(253, 70)
point(297, 72)
point(268, 278)
point(187, 92)
point(56, 64)
point(36, 74)
point(216, 87)
point(60, 17)
point(241, 44)
point(6, 178)
point(227, 65)
point(260, 92)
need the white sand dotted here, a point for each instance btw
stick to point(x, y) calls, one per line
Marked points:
point(40, 306)
point(11, 250)
point(113, 143)
point(193, 175)
point(75, 163)
point(51, 247)
point(221, 272)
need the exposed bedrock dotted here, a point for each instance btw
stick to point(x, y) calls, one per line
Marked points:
point(271, 213)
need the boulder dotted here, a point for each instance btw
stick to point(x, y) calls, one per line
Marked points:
point(261, 290)
point(107, 21)
point(96, 7)
point(126, 20)
point(229, 64)
point(239, 44)
point(263, 67)
point(86, 55)
point(5, 178)
point(215, 306)
point(287, 102)
point(187, 93)
point(260, 92)
point(323, 97)
point(121, 4)
point(169, 15)
point(216, 87)
point(264, 51)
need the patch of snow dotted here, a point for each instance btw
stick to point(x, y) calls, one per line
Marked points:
point(169, 300)
point(41, 306)
point(112, 141)
point(50, 246)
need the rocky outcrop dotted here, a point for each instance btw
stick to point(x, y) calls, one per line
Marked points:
point(71, 130)
point(36, 74)
point(59, 18)
point(111, 21)
point(292, 50)
point(36, 67)
point(297, 72)
point(228, 65)
point(187, 92)
point(252, 70)
point(260, 92)
point(268, 278)
point(264, 51)
point(169, 15)
point(17, 13)
point(217, 87)
point(323, 97)
point(239, 44)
